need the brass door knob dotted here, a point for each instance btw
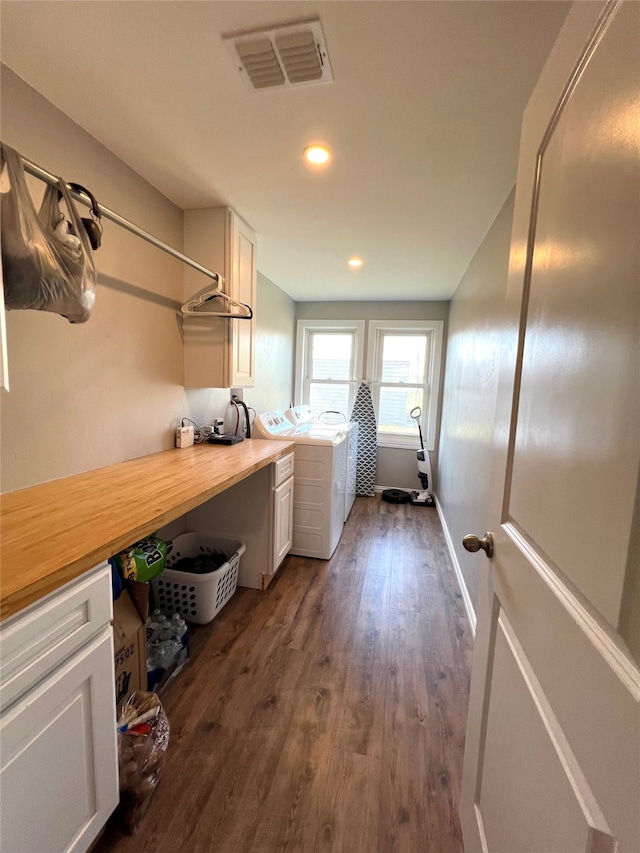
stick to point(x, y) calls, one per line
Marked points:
point(474, 543)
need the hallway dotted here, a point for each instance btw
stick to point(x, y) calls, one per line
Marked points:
point(327, 714)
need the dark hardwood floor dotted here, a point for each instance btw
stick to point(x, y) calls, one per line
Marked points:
point(327, 713)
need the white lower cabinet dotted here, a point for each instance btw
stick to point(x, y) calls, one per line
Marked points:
point(283, 521)
point(58, 754)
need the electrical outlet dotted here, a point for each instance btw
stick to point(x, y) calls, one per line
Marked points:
point(237, 393)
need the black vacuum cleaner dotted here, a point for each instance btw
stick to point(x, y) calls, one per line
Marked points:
point(424, 497)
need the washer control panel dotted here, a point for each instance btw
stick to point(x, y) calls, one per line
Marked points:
point(275, 423)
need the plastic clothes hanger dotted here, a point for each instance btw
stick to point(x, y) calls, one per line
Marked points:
point(192, 305)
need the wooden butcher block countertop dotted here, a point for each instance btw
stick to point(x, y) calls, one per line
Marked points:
point(53, 532)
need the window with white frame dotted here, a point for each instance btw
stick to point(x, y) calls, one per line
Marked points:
point(403, 360)
point(403, 363)
point(328, 364)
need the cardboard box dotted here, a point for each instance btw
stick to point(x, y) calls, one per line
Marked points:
point(130, 640)
point(140, 594)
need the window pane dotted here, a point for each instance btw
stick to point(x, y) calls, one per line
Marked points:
point(395, 405)
point(403, 358)
point(331, 355)
point(323, 398)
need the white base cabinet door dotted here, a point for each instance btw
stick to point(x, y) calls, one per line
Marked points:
point(283, 521)
point(59, 775)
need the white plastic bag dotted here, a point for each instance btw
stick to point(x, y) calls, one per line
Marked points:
point(46, 262)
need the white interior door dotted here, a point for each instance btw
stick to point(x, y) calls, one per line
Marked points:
point(552, 760)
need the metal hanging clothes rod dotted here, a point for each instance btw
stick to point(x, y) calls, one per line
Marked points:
point(38, 172)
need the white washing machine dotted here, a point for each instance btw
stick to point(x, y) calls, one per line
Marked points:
point(319, 485)
point(302, 417)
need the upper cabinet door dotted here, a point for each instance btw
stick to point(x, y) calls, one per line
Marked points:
point(242, 250)
point(553, 738)
point(219, 353)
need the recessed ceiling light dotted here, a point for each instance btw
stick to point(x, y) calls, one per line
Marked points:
point(317, 154)
point(355, 262)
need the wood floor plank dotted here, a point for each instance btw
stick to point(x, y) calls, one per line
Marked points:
point(226, 779)
point(361, 727)
point(285, 597)
point(448, 690)
point(455, 611)
point(404, 573)
point(441, 642)
point(245, 798)
point(304, 631)
point(327, 713)
point(217, 650)
point(380, 533)
point(341, 611)
point(408, 820)
point(353, 788)
point(292, 810)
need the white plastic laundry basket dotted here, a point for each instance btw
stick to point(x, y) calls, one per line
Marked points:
point(198, 597)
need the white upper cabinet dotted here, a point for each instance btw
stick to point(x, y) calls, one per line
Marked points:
point(219, 353)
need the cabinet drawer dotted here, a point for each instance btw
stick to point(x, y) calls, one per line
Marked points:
point(38, 639)
point(283, 469)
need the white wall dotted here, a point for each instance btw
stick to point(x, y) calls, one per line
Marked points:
point(397, 467)
point(470, 389)
point(86, 396)
point(274, 348)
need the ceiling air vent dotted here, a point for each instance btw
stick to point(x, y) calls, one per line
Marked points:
point(282, 56)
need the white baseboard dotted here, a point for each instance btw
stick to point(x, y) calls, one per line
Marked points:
point(456, 566)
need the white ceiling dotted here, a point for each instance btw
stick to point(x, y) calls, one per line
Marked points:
point(423, 120)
